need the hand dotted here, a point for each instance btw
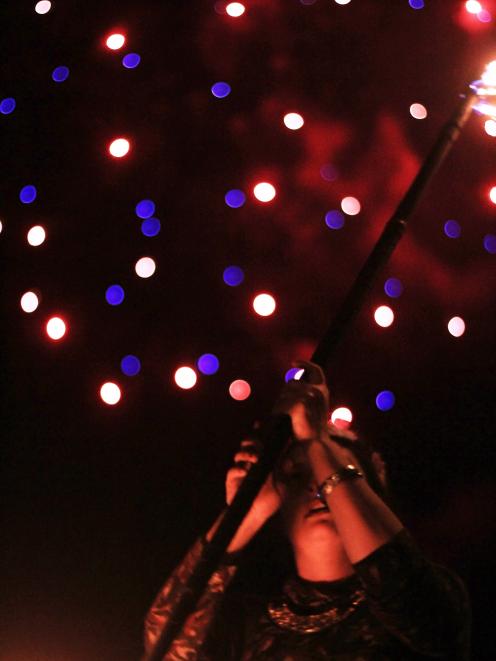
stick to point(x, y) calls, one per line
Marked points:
point(268, 499)
point(307, 402)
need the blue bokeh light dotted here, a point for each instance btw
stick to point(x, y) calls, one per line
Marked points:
point(131, 60)
point(452, 228)
point(220, 90)
point(7, 105)
point(28, 194)
point(490, 243)
point(385, 400)
point(130, 365)
point(150, 226)
point(334, 219)
point(328, 172)
point(145, 209)
point(235, 198)
point(416, 4)
point(291, 373)
point(59, 74)
point(208, 363)
point(114, 295)
point(233, 276)
point(393, 287)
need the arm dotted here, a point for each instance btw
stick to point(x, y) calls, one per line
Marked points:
point(187, 646)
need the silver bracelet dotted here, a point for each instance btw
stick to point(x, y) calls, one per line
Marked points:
point(349, 472)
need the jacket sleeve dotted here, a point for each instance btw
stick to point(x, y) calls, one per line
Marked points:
point(188, 644)
point(423, 604)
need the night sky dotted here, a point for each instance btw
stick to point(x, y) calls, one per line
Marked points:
point(102, 501)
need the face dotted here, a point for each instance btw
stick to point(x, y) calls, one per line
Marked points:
point(307, 520)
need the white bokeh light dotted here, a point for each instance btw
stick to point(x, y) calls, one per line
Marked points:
point(264, 192)
point(185, 377)
point(342, 2)
point(115, 41)
point(456, 326)
point(29, 301)
point(110, 393)
point(235, 9)
point(473, 6)
point(264, 304)
point(36, 235)
point(490, 127)
point(293, 121)
point(384, 316)
point(145, 267)
point(492, 194)
point(119, 147)
point(56, 328)
point(341, 413)
point(350, 205)
point(43, 7)
point(418, 111)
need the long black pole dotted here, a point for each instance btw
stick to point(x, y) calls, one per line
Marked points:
point(278, 431)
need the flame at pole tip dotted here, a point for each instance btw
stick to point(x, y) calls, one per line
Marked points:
point(484, 88)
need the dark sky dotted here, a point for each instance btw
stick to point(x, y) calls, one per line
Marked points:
point(102, 501)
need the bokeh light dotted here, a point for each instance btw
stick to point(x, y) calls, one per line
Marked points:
point(208, 363)
point(145, 208)
point(235, 9)
point(115, 41)
point(293, 121)
point(384, 316)
point(456, 326)
point(264, 304)
point(294, 374)
point(235, 198)
point(484, 16)
point(385, 400)
point(492, 194)
point(393, 287)
point(43, 7)
point(233, 276)
point(416, 4)
point(7, 105)
point(59, 74)
point(114, 295)
point(185, 377)
point(131, 60)
point(28, 194)
point(240, 390)
point(343, 414)
point(56, 328)
point(328, 172)
point(145, 267)
point(119, 147)
point(342, 2)
point(350, 205)
point(453, 229)
point(490, 243)
point(29, 301)
point(473, 6)
point(418, 111)
point(334, 219)
point(220, 90)
point(130, 365)
point(110, 393)
point(150, 227)
point(36, 235)
point(490, 127)
point(264, 192)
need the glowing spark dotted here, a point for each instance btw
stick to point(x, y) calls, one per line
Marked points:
point(485, 87)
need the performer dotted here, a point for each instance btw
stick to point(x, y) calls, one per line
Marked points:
point(361, 590)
